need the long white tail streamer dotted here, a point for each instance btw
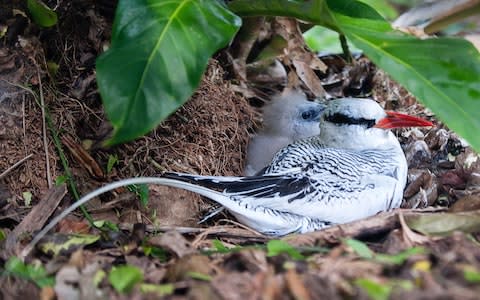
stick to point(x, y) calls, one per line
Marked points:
point(111, 186)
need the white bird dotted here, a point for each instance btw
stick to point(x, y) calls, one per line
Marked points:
point(354, 169)
point(287, 118)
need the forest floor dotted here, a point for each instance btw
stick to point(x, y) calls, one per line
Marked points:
point(51, 134)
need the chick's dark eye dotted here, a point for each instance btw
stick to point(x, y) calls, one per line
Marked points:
point(307, 115)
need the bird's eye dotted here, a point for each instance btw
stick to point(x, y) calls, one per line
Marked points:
point(308, 115)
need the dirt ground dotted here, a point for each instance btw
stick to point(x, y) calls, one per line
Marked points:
point(51, 134)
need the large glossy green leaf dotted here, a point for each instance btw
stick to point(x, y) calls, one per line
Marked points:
point(443, 73)
point(158, 54)
point(383, 7)
point(315, 11)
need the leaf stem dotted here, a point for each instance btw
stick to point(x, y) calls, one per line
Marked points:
point(345, 49)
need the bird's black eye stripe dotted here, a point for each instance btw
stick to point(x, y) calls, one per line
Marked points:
point(338, 118)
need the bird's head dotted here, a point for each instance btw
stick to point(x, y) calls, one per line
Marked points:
point(362, 124)
point(293, 116)
point(305, 119)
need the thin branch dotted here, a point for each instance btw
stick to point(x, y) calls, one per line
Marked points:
point(44, 131)
point(18, 163)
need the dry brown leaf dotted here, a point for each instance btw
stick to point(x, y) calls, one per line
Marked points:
point(183, 209)
point(273, 286)
point(311, 80)
point(467, 203)
point(239, 286)
point(249, 260)
point(82, 156)
point(411, 238)
point(298, 55)
point(296, 285)
point(73, 226)
point(181, 269)
point(348, 267)
point(422, 190)
point(174, 242)
point(47, 293)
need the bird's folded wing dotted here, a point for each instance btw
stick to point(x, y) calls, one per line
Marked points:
point(310, 185)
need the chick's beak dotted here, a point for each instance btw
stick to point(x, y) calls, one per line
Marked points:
point(398, 120)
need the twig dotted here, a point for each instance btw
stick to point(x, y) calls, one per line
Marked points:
point(36, 217)
point(44, 130)
point(218, 231)
point(4, 173)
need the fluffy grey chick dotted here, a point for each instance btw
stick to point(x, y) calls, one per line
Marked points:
point(289, 117)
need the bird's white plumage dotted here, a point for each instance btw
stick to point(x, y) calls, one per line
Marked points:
point(288, 117)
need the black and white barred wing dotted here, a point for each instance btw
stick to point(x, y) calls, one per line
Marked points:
point(325, 183)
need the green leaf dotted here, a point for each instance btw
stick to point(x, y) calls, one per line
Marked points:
point(360, 248)
point(61, 179)
point(156, 252)
point(158, 54)
point(106, 225)
point(444, 223)
point(219, 246)
point(199, 276)
point(222, 249)
point(124, 278)
point(375, 290)
point(58, 243)
point(399, 258)
point(141, 190)
point(354, 9)
point(52, 68)
point(323, 40)
point(37, 274)
point(471, 275)
point(276, 247)
point(159, 289)
point(383, 7)
point(42, 14)
point(27, 197)
point(314, 11)
point(112, 160)
point(98, 277)
point(441, 72)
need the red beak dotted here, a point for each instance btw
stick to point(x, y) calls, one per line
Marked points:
point(398, 120)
